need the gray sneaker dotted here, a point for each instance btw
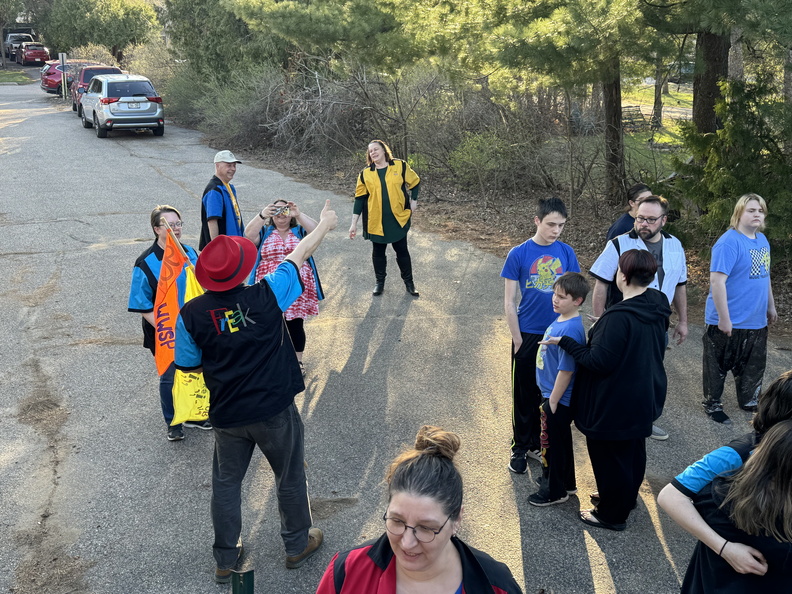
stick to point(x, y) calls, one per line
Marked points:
point(658, 433)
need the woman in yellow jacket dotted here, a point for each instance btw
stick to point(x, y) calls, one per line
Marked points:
point(386, 196)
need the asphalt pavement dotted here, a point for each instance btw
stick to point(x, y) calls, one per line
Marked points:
point(96, 500)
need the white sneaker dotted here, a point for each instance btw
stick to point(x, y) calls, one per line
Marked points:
point(658, 433)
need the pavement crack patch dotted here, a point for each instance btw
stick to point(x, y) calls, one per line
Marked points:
point(47, 565)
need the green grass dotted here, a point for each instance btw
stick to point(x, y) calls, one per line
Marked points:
point(13, 76)
point(644, 95)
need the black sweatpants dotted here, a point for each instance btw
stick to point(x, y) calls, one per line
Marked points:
point(526, 396)
point(619, 467)
point(558, 456)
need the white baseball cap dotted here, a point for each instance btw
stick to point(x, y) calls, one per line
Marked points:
point(226, 157)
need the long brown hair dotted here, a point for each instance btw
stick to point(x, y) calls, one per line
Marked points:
point(760, 494)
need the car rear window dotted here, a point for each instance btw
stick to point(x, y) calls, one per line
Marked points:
point(34, 47)
point(130, 88)
point(89, 74)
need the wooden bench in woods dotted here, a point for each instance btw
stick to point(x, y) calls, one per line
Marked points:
point(633, 118)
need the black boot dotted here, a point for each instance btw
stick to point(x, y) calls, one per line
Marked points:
point(405, 266)
point(380, 267)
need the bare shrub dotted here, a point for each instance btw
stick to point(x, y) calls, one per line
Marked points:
point(93, 52)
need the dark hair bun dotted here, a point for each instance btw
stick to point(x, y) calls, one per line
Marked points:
point(437, 442)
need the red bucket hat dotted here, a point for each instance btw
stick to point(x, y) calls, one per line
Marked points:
point(225, 262)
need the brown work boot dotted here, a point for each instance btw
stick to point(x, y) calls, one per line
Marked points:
point(223, 576)
point(315, 538)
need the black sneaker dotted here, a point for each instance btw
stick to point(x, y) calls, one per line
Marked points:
point(175, 433)
point(205, 425)
point(540, 500)
point(518, 463)
point(720, 417)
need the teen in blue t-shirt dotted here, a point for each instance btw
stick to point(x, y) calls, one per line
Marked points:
point(739, 307)
point(530, 270)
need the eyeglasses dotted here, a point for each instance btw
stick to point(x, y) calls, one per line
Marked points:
point(421, 533)
point(650, 220)
point(176, 225)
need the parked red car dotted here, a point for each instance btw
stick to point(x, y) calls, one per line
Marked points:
point(82, 77)
point(51, 74)
point(34, 52)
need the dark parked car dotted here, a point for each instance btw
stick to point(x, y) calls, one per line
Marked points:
point(122, 101)
point(82, 77)
point(32, 53)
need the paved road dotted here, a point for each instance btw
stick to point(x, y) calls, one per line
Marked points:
point(94, 499)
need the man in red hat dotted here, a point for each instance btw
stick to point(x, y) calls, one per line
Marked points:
point(236, 334)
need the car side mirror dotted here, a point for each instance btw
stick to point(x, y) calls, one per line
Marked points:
point(81, 90)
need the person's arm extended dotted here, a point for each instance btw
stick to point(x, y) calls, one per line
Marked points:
point(720, 299)
point(307, 246)
point(606, 349)
point(149, 317)
point(511, 289)
point(598, 297)
point(680, 304)
point(742, 558)
point(214, 228)
point(559, 387)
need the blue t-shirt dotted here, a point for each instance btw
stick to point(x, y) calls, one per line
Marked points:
point(746, 263)
point(535, 268)
point(550, 359)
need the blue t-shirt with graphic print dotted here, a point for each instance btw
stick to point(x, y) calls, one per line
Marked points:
point(535, 268)
point(551, 358)
point(746, 263)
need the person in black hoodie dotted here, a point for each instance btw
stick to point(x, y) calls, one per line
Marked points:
point(620, 388)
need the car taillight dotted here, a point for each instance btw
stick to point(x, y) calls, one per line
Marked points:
point(154, 99)
point(108, 100)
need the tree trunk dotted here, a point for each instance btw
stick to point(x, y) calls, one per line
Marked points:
point(712, 64)
point(660, 82)
point(736, 64)
point(614, 135)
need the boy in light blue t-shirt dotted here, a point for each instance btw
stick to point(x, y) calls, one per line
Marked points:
point(555, 370)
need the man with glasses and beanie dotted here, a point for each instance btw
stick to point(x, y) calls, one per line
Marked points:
point(142, 295)
point(237, 336)
point(220, 213)
point(671, 277)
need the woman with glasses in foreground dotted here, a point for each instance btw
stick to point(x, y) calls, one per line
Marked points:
point(420, 550)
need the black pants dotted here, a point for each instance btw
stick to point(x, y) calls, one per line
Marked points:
point(297, 333)
point(526, 396)
point(744, 353)
point(558, 456)
point(619, 467)
point(380, 260)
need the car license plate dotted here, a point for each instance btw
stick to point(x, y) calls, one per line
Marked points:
point(38, 59)
point(133, 105)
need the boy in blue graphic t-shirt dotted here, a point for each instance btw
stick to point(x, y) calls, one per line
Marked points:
point(555, 371)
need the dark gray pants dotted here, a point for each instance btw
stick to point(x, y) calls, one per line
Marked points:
point(744, 353)
point(280, 439)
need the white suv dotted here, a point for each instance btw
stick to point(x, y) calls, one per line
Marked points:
point(121, 101)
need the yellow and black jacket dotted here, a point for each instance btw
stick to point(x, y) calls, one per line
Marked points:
point(399, 180)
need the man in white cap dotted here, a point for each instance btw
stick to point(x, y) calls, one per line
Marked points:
point(236, 334)
point(220, 213)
